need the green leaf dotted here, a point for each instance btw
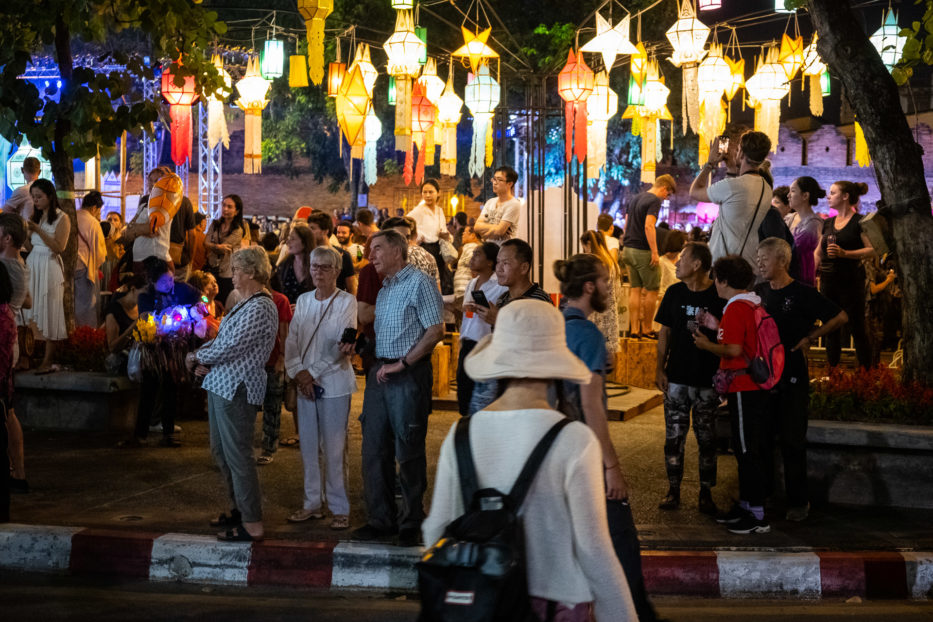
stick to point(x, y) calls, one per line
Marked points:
point(912, 49)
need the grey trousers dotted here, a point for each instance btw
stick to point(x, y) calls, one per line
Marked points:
point(322, 426)
point(231, 430)
point(394, 424)
point(87, 300)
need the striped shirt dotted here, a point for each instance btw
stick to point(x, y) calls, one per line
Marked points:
point(408, 304)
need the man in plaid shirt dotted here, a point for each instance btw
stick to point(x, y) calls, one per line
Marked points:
point(408, 323)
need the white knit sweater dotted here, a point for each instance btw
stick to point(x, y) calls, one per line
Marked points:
point(569, 554)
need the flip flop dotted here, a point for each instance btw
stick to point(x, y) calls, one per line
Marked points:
point(237, 534)
point(226, 521)
point(289, 442)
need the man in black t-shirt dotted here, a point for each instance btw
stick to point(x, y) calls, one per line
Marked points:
point(685, 373)
point(795, 308)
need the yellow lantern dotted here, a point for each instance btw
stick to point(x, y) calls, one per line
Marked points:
point(474, 47)
point(297, 71)
point(362, 59)
point(253, 89)
point(353, 104)
point(738, 76)
point(404, 50)
point(611, 40)
point(601, 106)
point(314, 12)
point(448, 116)
point(715, 77)
point(688, 36)
point(766, 88)
point(336, 72)
point(216, 122)
point(645, 120)
point(791, 55)
point(814, 67)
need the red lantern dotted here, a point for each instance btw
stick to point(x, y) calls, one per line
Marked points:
point(423, 115)
point(574, 84)
point(180, 99)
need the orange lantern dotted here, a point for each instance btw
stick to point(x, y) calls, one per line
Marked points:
point(335, 75)
point(180, 99)
point(423, 115)
point(575, 84)
point(353, 103)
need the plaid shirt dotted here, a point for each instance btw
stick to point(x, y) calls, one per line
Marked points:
point(408, 304)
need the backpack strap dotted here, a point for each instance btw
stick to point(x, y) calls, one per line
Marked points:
point(469, 483)
point(754, 216)
point(527, 475)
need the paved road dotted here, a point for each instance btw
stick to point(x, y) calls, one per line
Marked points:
point(52, 599)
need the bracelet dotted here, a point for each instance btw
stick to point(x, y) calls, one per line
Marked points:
point(609, 468)
point(404, 363)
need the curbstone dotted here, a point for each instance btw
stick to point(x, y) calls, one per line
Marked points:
point(199, 559)
point(744, 574)
point(919, 575)
point(286, 562)
point(375, 566)
point(36, 548)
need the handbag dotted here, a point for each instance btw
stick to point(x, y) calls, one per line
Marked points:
point(290, 400)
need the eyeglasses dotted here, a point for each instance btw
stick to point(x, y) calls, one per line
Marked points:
point(501, 180)
point(321, 268)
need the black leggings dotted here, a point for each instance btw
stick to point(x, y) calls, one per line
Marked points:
point(848, 291)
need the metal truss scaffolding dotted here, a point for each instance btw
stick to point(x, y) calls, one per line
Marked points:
point(150, 144)
point(210, 168)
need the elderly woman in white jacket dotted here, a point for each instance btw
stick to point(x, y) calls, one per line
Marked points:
point(319, 361)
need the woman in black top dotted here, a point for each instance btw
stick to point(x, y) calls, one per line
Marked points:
point(294, 275)
point(842, 276)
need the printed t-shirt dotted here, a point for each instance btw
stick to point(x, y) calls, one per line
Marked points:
point(686, 363)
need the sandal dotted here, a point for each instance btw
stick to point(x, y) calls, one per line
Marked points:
point(301, 516)
point(340, 522)
point(289, 442)
point(237, 534)
point(227, 521)
point(264, 459)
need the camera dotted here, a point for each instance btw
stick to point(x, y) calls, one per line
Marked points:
point(349, 335)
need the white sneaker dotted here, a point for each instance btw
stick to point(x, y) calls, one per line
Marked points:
point(158, 428)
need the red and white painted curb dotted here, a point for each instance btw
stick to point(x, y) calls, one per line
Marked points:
point(380, 567)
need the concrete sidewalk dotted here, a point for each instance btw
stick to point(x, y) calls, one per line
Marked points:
point(144, 513)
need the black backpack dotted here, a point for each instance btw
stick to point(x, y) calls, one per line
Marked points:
point(476, 571)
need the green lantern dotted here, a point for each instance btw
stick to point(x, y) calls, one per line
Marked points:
point(391, 90)
point(422, 33)
point(636, 92)
point(825, 83)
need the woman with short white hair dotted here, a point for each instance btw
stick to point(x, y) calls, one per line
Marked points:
point(233, 366)
point(317, 356)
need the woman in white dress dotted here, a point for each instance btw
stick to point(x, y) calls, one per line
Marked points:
point(49, 227)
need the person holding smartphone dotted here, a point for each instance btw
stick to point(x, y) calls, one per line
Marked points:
point(317, 356)
point(483, 288)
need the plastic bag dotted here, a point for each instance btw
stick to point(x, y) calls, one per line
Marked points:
point(134, 363)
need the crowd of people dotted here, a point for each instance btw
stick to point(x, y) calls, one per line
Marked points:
point(288, 314)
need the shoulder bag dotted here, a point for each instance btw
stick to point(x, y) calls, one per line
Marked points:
point(290, 400)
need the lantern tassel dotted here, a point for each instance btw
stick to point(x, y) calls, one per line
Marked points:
point(370, 171)
point(489, 145)
point(568, 131)
point(217, 124)
point(579, 131)
point(478, 147)
point(181, 133)
point(692, 96)
point(449, 150)
point(862, 157)
point(816, 96)
point(316, 50)
point(768, 120)
point(409, 164)
point(648, 149)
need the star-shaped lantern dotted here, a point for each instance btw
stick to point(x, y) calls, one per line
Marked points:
point(611, 40)
point(475, 48)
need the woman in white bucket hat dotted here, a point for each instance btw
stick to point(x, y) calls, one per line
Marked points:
point(569, 556)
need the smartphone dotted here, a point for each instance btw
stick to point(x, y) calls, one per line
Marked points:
point(479, 298)
point(723, 144)
point(349, 335)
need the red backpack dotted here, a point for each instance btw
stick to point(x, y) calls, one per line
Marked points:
point(767, 365)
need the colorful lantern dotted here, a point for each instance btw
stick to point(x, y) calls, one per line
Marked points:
point(766, 88)
point(815, 68)
point(688, 36)
point(433, 87)
point(825, 84)
point(888, 41)
point(448, 116)
point(272, 64)
point(638, 64)
point(352, 105)
point(862, 157)
point(645, 120)
point(314, 12)
point(362, 59)
point(297, 71)
point(779, 7)
point(336, 72)
point(709, 5)
point(372, 131)
point(253, 90)
point(390, 94)
point(422, 33)
point(601, 106)
point(738, 76)
point(574, 85)
point(404, 50)
point(216, 122)
point(481, 97)
point(180, 99)
point(714, 78)
point(791, 55)
point(401, 5)
point(474, 47)
point(423, 116)
point(611, 41)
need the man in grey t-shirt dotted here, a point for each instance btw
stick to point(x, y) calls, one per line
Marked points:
point(12, 237)
point(500, 217)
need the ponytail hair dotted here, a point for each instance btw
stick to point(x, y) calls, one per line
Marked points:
point(853, 190)
point(812, 188)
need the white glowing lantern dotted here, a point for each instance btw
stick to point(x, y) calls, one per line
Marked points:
point(372, 131)
point(814, 68)
point(216, 122)
point(709, 5)
point(448, 116)
point(601, 105)
point(363, 60)
point(715, 78)
point(887, 40)
point(433, 85)
point(404, 49)
point(688, 35)
point(765, 90)
point(253, 90)
point(611, 40)
point(481, 97)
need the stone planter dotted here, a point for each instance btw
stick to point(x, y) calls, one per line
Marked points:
point(76, 401)
point(870, 464)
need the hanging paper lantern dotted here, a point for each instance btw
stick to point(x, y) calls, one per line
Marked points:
point(423, 116)
point(645, 120)
point(216, 122)
point(601, 106)
point(422, 34)
point(574, 85)
point(401, 5)
point(825, 84)
point(404, 50)
point(314, 12)
point(352, 105)
point(714, 77)
point(738, 76)
point(336, 72)
point(372, 131)
point(791, 55)
point(638, 64)
point(297, 71)
point(688, 36)
point(391, 92)
point(862, 157)
point(815, 68)
point(448, 116)
point(779, 7)
point(253, 90)
point(611, 41)
point(709, 5)
point(362, 59)
point(481, 97)
point(433, 85)
point(474, 47)
point(180, 99)
point(273, 59)
point(766, 88)
point(888, 41)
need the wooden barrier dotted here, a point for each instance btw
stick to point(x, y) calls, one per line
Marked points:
point(440, 364)
point(636, 363)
